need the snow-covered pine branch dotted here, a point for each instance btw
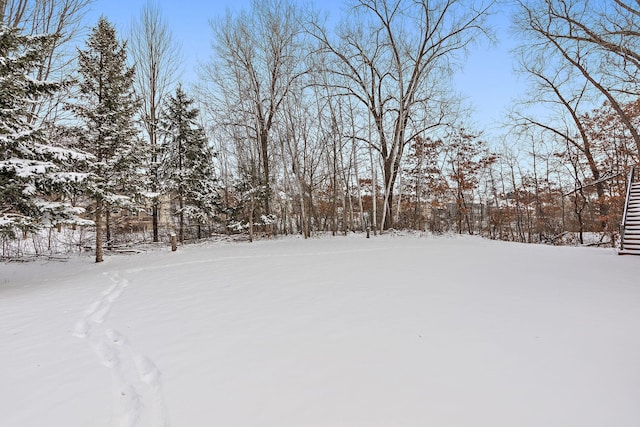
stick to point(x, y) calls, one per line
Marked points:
point(33, 171)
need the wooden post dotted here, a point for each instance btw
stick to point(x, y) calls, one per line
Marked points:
point(174, 242)
point(368, 231)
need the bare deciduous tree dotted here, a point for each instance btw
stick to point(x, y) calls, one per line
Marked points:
point(157, 59)
point(556, 85)
point(259, 54)
point(395, 58)
point(62, 18)
point(599, 40)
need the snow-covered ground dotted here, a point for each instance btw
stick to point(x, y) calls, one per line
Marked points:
point(388, 331)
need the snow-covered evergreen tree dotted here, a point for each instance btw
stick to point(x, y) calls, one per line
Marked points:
point(187, 163)
point(33, 173)
point(105, 107)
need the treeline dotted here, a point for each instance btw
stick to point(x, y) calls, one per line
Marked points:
point(295, 127)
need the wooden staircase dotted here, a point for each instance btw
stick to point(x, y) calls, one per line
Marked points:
point(630, 227)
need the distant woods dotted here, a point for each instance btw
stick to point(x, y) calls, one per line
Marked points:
point(297, 126)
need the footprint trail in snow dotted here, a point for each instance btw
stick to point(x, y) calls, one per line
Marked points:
point(138, 398)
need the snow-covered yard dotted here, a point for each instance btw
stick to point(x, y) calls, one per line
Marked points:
point(389, 331)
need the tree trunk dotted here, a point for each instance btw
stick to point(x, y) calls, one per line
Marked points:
point(107, 223)
point(155, 222)
point(181, 221)
point(251, 209)
point(304, 220)
point(264, 140)
point(3, 6)
point(98, 219)
point(374, 191)
point(390, 176)
point(334, 196)
point(344, 213)
point(359, 190)
point(399, 202)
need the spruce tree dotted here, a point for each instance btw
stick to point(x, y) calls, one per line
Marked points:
point(105, 108)
point(187, 163)
point(33, 172)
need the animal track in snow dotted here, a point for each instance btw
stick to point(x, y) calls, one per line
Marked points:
point(81, 329)
point(136, 380)
point(116, 337)
point(148, 371)
point(106, 354)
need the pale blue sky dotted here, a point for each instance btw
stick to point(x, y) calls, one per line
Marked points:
point(487, 81)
